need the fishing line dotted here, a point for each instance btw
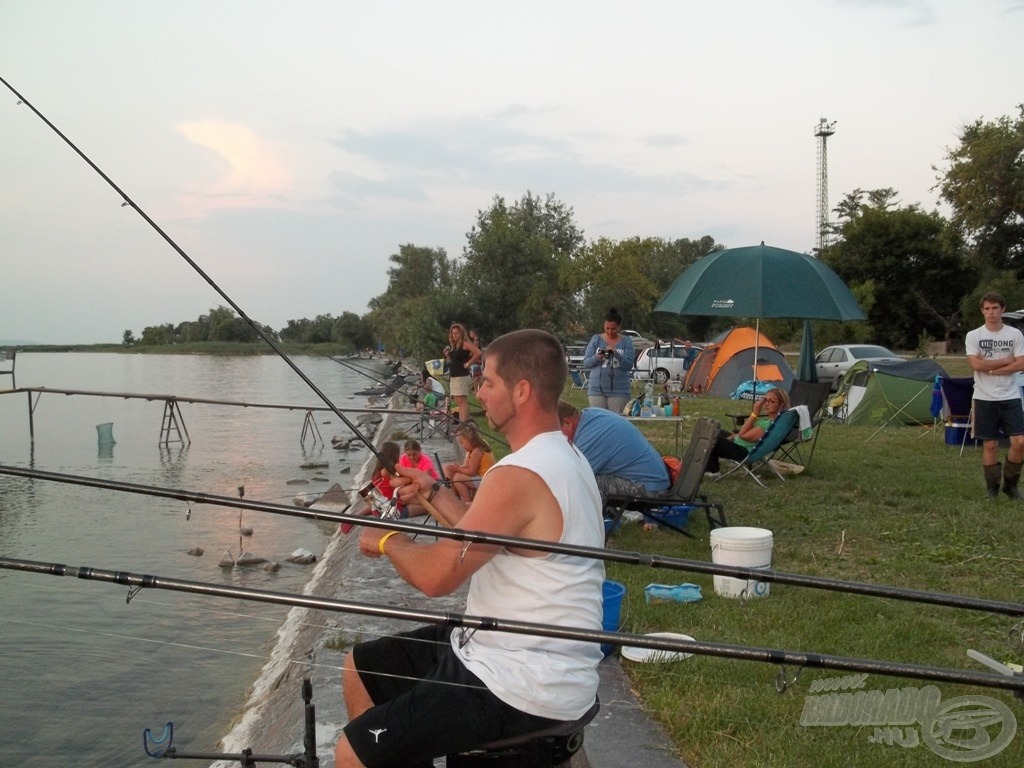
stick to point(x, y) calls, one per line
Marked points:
point(776, 656)
point(651, 560)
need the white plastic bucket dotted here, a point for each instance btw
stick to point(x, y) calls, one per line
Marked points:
point(747, 547)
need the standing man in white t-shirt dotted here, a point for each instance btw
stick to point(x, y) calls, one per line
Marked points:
point(996, 352)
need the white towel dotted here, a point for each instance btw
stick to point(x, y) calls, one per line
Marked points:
point(806, 432)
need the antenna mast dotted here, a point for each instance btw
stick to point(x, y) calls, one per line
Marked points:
point(822, 131)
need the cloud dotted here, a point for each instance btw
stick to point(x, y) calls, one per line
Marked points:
point(255, 173)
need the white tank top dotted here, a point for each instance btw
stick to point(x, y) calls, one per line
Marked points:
point(542, 676)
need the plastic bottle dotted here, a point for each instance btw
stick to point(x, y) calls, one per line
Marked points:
point(675, 405)
point(648, 409)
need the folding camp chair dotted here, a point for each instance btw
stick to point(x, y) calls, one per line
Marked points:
point(811, 395)
point(684, 491)
point(436, 420)
point(761, 454)
point(579, 378)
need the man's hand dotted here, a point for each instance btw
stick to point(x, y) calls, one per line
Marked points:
point(410, 483)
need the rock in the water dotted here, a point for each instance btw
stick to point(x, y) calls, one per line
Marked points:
point(306, 499)
point(196, 551)
point(226, 561)
point(302, 557)
point(320, 479)
point(245, 530)
point(248, 558)
point(314, 465)
point(298, 481)
point(272, 567)
point(345, 470)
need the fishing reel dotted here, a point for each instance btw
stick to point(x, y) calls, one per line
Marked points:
point(385, 509)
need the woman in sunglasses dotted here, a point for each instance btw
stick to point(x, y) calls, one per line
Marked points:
point(736, 445)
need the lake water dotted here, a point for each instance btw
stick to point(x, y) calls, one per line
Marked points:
point(83, 671)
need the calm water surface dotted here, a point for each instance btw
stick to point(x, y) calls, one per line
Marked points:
point(83, 671)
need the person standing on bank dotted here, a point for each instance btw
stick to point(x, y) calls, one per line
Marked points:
point(609, 357)
point(462, 354)
point(995, 352)
point(440, 690)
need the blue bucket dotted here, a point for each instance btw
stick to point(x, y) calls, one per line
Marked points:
point(612, 592)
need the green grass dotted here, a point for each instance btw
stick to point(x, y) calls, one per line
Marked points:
point(899, 508)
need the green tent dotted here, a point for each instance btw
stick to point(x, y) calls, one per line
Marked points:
point(884, 393)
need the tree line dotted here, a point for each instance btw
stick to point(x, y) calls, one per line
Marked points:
point(917, 274)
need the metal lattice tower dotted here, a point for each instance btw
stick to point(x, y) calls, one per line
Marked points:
point(822, 131)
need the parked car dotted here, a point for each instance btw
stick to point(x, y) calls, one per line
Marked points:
point(574, 351)
point(1016, 319)
point(663, 362)
point(639, 342)
point(832, 363)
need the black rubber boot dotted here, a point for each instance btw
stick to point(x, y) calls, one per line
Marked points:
point(1011, 475)
point(993, 475)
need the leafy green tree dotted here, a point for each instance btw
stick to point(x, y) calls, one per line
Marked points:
point(128, 339)
point(352, 331)
point(414, 311)
point(156, 335)
point(984, 184)
point(913, 261)
point(516, 269)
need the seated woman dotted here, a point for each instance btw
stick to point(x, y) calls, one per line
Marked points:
point(432, 394)
point(465, 477)
point(737, 446)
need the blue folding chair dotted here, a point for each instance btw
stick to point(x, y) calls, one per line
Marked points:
point(771, 441)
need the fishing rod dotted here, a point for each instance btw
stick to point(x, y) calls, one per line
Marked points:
point(647, 559)
point(496, 437)
point(801, 659)
point(209, 280)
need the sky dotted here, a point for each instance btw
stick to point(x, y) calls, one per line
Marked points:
point(290, 148)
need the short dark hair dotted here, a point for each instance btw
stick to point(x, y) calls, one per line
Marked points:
point(566, 410)
point(993, 298)
point(533, 355)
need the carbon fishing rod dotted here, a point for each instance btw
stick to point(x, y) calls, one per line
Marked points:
point(491, 624)
point(210, 281)
point(647, 559)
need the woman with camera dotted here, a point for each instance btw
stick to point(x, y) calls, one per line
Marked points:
point(609, 357)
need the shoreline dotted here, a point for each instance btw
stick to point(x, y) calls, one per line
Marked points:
point(271, 719)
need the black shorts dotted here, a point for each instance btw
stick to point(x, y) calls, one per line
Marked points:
point(428, 703)
point(995, 419)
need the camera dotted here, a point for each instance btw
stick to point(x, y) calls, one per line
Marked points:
point(606, 353)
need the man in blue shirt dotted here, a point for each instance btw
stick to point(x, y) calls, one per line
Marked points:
point(622, 459)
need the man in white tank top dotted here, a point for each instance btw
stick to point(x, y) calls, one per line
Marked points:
point(436, 691)
point(996, 352)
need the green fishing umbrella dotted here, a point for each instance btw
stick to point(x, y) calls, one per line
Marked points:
point(760, 281)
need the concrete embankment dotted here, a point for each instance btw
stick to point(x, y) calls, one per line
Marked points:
point(312, 643)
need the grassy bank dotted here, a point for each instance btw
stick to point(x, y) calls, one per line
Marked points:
point(899, 508)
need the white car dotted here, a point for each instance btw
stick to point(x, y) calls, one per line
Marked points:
point(639, 342)
point(832, 363)
point(663, 362)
